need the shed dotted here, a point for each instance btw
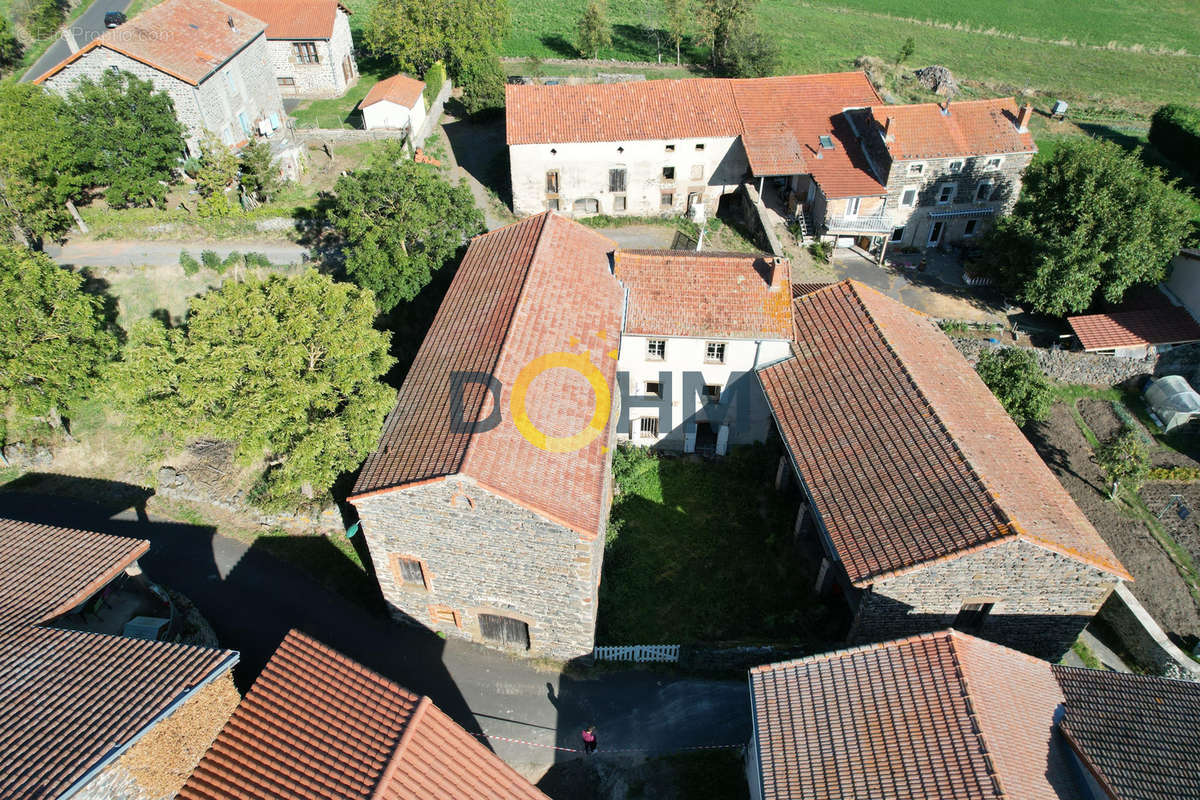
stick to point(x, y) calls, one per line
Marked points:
point(1135, 334)
point(1173, 401)
point(395, 102)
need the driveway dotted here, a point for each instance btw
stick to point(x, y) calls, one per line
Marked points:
point(87, 27)
point(252, 599)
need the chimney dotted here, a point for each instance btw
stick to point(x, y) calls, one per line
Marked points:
point(1023, 118)
point(888, 136)
point(779, 266)
point(945, 106)
point(229, 21)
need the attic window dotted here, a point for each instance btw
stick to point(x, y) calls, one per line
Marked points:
point(670, 148)
point(700, 147)
point(826, 142)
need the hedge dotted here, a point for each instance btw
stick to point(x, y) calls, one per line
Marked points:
point(1175, 131)
point(435, 76)
point(1176, 474)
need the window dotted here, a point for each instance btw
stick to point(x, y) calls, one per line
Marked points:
point(586, 205)
point(286, 81)
point(654, 388)
point(668, 173)
point(852, 206)
point(305, 52)
point(244, 121)
point(984, 192)
point(697, 172)
point(504, 630)
point(670, 148)
point(826, 142)
point(656, 349)
point(897, 234)
point(552, 182)
point(616, 180)
point(714, 352)
point(711, 394)
point(700, 147)
point(916, 169)
point(648, 427)
point(969, 228)
point(552, 204)
point(909, 198)
point(972, 616)
point(946, 193)
point(668, 199)
point(956, 166)
point(994, 163)
point(445, 615)
point(408, 572)
point(619, 203)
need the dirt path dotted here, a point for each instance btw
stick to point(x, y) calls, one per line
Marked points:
point(117, 253)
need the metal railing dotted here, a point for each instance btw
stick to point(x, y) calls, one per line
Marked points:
point(876, 223)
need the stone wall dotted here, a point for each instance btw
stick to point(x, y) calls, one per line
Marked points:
point(1073, 366)
point(754, 217)
point(1042, 599)
point(326, 77)
point(434, 115)
point(1143, 639)
point(721, 659)
point(484, 554)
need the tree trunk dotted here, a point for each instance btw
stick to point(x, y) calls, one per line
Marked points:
point(677, 61)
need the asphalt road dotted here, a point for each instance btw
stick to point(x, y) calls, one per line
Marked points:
point(252, 599)
point(86, 27)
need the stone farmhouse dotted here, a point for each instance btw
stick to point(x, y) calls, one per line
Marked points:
point(949, 715)
point(930, 506)
point(211, 59)
point(309, 43)
point(88, 713)
point(847, 166)
point(318, 726)
point(488, 522)
point(696, 326)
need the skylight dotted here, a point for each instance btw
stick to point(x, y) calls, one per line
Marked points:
point(826, 142)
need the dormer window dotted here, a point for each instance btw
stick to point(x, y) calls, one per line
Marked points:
point(956, 166)
point(994, 163)
point(826, 142)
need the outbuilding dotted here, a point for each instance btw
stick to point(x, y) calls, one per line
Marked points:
point(396, 102)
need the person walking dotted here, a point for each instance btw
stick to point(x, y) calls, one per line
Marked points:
point(589, 740)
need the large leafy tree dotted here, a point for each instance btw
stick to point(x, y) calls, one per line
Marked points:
point(38, 167)
point(482, 80)
point(720, 21)
point(595, 31)
point(54, 341)
point(1093, 220)
point(680, 22)
point(1018, 382)
point(127, 137)
point(288, 367)
point(416, 33)
point(400, 221)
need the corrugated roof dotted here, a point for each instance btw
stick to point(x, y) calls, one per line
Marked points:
point(293, 19)
point(71, 700)
point(685, 293)
point(318, 725)
point(1172, 325)
point(538, 287)
point(399, 89)
point(972, 127)
point(187, 39)
point(908, 456)
point(1137, 733)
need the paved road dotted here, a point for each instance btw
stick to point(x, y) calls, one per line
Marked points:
point(253, 599)
point(88, 26)
point(116, 253)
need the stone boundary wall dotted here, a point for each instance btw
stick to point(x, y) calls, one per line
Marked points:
point(175, 485)
point(312, 135)
point(754, 216)
point(1071, 366)
point(702, 657)
point(434, 115)
point(1143, 638)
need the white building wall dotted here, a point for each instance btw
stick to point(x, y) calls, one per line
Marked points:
point(583, 169)
point(675, 413)
point(1184, 280)
point(386, 114)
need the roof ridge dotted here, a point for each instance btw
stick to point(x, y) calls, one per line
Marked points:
point(414, 719)
point(846, 652)
point(976, 722)
point(975, 101)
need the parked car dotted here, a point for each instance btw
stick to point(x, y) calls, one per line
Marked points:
point(114, 18)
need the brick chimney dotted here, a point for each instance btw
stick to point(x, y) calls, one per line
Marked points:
point(1023, 116)
point(779, 266)
point(888, 135)
point(945, 106)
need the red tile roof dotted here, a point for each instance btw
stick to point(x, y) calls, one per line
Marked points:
point(187, 39)
point(936, 715)
point(801, 289)
point(972, 128)
point(399, 89)
point(1135, 328)
point(684, 293)
point(541, 286)
point(908, 456)
point(71, 701)
point(293, 19)
point(318, 725)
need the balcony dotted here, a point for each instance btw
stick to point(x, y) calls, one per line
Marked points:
point(873, 224)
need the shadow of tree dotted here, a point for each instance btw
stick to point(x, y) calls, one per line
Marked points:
point(560, 46)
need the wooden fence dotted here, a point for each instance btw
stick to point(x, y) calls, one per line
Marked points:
point(665, 653)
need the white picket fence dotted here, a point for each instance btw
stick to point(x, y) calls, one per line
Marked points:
point(665, 653)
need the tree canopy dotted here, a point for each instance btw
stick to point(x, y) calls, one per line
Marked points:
point(218, 171)
point(400, 221)
point(482, 80)
point(287, 367)
point(126, 136)
point(720, 20)
point(1018, 382)
point(416, 33)
point(54, 341)
point(1125, 459)
point(39, 171)
point(10, 48)
point(1092, 221)
point(595, 31)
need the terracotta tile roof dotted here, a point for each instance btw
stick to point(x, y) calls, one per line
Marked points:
point(293, 19)
point(71, 701)
point(801, 289)
point(692, 108)
point(908, 456)
point(936, 715)
point(399, 89)
point(187, 39)
point(318, 725)
point(1135, 328)
point(541, 286)
point(684, 293)
point(1136, 733)
point(972, 128)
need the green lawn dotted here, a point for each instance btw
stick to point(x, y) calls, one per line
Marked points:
point(340, 112)
point(700, 551)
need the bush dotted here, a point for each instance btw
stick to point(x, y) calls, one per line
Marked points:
point(822, 251)
point(435, 76)
point(190, 265)
point(231, 260)
point(1125, 461)
point(1174, 474)
point(1175, 131)
point(211, 260)
point(257, 260)
point(482, 81)
point(750, 54)
point(1018, 382)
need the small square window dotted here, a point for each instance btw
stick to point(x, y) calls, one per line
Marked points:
point(305, 52)
point(654, 388)
point(714, 352)
point(668, 199)
point(946, 194)
point(668, 173)
point(711, 393)
point(969, 228)
point(552, 182)
point(286, 81)
point(697, 172)
point(408, 572)
point(648, 427)
point(909, 198)
point(897, 234)
point(972, 616)
point(656, 349)
point(994, 163)
point(445, 615)
point(619, 203)
point(670, 148)
point(700, 147)
point(916, 169)
point(956, 166)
